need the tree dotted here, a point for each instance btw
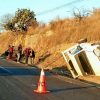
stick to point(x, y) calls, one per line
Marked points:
point(21, 21)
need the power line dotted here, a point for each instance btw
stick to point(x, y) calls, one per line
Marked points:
point(59, 7)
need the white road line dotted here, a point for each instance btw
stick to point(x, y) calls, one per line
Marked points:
point(78, 82)
point(5, 69)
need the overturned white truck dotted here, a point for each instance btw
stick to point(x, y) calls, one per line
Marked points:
point(83, 59)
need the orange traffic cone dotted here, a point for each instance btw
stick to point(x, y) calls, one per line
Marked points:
point(42, 84)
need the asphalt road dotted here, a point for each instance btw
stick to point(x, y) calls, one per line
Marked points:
point(18, 82)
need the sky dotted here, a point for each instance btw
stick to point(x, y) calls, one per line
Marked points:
point(48, 10)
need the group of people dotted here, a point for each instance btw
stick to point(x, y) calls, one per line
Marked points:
point(19, 54)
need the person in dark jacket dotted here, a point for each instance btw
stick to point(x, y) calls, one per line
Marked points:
point(32, 56)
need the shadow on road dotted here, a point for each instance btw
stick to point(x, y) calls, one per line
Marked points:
point(13, 71)
point(72, 88)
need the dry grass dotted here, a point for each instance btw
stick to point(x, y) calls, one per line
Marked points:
point(56, 37)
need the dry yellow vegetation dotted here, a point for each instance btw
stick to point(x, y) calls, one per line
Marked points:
point(49, 40)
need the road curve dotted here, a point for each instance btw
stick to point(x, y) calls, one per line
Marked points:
point(17, 82)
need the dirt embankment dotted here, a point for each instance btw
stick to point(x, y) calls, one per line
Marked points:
point(49, 40)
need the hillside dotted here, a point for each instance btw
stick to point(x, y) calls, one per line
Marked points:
point(49, 40)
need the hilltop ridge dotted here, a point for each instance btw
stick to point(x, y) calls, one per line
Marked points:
point(55, 37)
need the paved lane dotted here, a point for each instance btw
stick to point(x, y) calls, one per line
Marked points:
point(17, 82)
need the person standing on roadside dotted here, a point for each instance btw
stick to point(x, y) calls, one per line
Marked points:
point(27, 53)
point(10, 51)
point(19, 53)
point(32, 56)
